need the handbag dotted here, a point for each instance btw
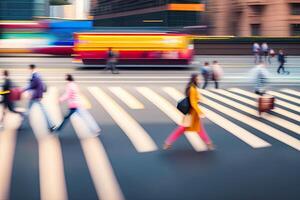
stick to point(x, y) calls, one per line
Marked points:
point(15, 94)
point(187, 120)
point(184, 105)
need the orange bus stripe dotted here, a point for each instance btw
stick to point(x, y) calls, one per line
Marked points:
point(186, 7)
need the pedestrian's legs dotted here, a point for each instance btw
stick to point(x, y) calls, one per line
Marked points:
point(71, 111)
point(205, 82)
point(49, 122)
point(11, 108)
point(202, 133)
point(216, 84)
point(280, 67)
point(89, 121)
point(175, 135)
point(114, 68)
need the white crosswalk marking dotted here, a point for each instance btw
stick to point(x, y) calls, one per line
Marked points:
point(52, 178)
point(293, 92)
point(127, 98)
point(254, 103)
point(173, 114)
point(7, 149)
point(85, 102)
point(284, 96)
point(276, 120)
point(137, 135)
point(255, 96)
point(101, 171)
point(262, 127)
point(232, 128)
point(102, 174)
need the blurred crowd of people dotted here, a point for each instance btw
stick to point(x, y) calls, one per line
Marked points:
point(36, 88)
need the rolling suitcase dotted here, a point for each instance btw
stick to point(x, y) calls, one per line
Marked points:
point(265, 103)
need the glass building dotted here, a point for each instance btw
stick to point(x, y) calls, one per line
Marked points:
point(171, 13)
point(23, 9)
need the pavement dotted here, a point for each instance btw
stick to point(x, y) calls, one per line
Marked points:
point(256, 157)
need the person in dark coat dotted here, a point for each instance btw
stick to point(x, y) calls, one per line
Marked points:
point(282, 61)
point(37, 88)
point(8, 105)
point(111, 61)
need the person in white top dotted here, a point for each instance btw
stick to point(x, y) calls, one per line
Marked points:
point(260, 77)
point(72, 96)
point(265, 51)
point(217, 73)
point(256, 52)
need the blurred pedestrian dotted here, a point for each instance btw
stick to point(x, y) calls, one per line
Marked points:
point(111, 61)
point(37, 88)
point(206, 74)
point(260, 78)
point(265, 52)
point(256, 52)
point(192, 119)
point(271, 55)
point(8, 103)
point(217, 73)
point(282, 60)
point(72, 96)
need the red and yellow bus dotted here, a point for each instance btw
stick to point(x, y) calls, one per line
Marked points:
point(133, 48)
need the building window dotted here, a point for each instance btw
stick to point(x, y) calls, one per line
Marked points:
point(255, 29)
point(295, 8)
point(295, 29)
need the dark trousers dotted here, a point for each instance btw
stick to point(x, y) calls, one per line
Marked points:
point(66, 118)
point(111, 65)
point(281, 67)
point(9, 105)
point(206, 79)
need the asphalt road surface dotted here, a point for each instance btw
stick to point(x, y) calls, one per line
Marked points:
point(256, 157)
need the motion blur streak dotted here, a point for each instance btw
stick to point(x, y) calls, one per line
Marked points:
point(7, 150)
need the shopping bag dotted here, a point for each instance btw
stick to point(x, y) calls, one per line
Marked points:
point(15, 94)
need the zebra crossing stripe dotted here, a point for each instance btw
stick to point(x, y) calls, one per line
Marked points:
point(290, 91)
point(137, 135)
point(166, 107)
point(99, 166)
point(254, 103)
point(127, 98)
point(232, 128)
point(105, 182)
point(262, 127)
point(52, 178)
point(277, 101)
point(274, 119)
point(85, 102)
point(284, 96)
point(7, 150)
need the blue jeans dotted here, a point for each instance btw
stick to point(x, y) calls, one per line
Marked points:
point(38, 101)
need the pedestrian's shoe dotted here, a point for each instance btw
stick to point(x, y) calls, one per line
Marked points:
point(52, 129)
point(287, 73)
point(167, 146)
point(211, 147)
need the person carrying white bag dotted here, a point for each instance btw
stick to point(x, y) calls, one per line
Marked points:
point(72, 96)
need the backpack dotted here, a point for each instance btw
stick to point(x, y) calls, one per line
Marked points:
point(184, 105)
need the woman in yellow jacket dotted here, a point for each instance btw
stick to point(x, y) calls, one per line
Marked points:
point(195, 115)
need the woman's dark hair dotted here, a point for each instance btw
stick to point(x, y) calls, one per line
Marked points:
point(5, 73)
point(69, 77)
point(193, 81)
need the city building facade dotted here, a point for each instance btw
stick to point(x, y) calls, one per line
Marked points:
point(254, 17)
point(171, 13)
point(23, 9)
